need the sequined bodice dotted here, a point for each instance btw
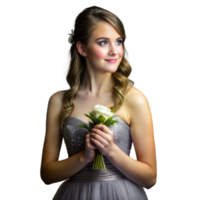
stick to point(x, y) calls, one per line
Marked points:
point(74, 136)
point(74, 140)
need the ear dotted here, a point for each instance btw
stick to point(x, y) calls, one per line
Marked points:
point(81, 49)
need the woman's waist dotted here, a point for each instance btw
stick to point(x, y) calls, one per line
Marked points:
point(87, 174)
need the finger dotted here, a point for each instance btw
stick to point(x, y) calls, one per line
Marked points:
point(92, 143)
point(104, 128)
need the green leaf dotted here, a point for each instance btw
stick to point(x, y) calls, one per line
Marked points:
point(113, 122)
point(88, 116)
point(92, 114)
point(108, 121)
point(98, 121)
point(91, 125)
point(112, 110)
point(83, 126)
point(91, 117)
point(101, 118)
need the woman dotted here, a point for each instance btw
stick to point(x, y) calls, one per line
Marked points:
point(98, 75)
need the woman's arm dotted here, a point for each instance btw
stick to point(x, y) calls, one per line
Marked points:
point(53, 170)
point(143, 170)
point(138, 172)
point(61, 170)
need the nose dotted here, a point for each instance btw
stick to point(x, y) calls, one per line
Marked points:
point(113, 50)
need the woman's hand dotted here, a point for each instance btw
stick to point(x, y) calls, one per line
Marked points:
point(102, 138)
point(89, 152)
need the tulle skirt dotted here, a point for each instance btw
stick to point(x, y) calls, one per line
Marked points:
point(117, 189)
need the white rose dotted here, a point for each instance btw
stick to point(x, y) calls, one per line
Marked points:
point(102, 110)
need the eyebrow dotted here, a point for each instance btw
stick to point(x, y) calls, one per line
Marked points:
point(107, 38)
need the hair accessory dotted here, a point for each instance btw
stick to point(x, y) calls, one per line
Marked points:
point(71, 36)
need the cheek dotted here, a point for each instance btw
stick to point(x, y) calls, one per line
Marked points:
point(121, 52)
point(95, 52)
point(99, 54)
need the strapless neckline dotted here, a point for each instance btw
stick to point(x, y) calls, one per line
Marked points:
point(88, 124)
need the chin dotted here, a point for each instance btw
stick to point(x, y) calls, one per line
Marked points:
point(113, 70)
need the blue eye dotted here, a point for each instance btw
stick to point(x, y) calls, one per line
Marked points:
point(120, 42)
point(102, 43)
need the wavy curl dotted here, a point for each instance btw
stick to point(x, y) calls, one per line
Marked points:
point(85, 24)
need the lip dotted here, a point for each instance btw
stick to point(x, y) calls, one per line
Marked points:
point(111, 60)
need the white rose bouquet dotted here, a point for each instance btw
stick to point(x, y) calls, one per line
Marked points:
point(100, 115)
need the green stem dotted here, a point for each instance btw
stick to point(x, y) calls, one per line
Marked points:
point(98, 161)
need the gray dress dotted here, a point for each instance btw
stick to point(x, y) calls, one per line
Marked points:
point(90, 184)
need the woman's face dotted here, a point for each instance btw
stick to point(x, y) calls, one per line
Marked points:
point(104, 44)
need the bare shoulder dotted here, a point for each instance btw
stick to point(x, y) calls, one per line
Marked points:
point(135, 99)
point(57, 96)
point(134, 94)
point(61, 92)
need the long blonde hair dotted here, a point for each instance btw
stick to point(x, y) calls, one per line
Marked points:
point(85, 24)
